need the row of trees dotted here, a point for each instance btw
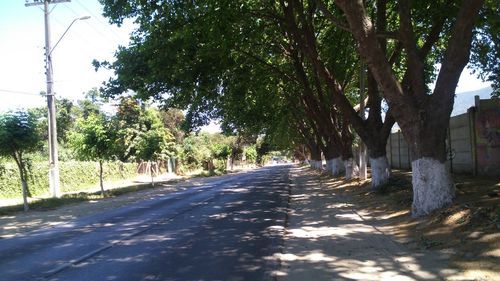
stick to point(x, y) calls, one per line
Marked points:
point(129, 132)
point(295, 70)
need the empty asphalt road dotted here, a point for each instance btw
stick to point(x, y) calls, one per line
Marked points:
point(227, 229)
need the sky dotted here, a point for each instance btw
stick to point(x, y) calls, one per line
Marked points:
point(22, 75)
point(22, 37)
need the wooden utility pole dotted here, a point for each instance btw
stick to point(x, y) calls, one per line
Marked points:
point(51, 101)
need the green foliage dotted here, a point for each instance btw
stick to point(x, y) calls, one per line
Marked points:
point(251, 154)
point(155, 142)
point(65, 119)
point(75, 176)
point(91, 105)
point(154, 145)
point(18, 134)
point(173, 120)
point(485, 56)
point(92, 138)
point(220, 151)
point(203, 148)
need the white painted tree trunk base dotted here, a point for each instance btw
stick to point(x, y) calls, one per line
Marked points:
point(381, 172)
point(433, 187)
point(351, 169)
point(335, 166)
point(318, 165)
point(25, 195)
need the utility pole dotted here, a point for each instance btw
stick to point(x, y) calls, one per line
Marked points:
point(51, 101)
point(362, 146)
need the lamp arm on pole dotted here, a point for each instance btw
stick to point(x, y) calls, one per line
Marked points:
point(66, 31)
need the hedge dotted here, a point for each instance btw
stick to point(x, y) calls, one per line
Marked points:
point(74, 176)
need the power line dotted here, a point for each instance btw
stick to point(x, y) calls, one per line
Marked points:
point(97, 30)
point(4, 91)
point(100, 18)
point(76, 32)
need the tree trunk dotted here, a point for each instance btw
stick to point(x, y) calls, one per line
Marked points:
point(315, 151)
point(22, 174)
point(380, 169)
point(101, 181)
point(351, 169)
point(151, 173)
point(335, 166)
point(433, 187)
point(381, 172)
point(25, 194)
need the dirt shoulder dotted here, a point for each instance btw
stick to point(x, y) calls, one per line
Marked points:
point(467, 231)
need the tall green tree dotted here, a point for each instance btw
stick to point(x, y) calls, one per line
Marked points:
point(155, 142)
point(18, 136)
point(93, 140)
point(129, 123)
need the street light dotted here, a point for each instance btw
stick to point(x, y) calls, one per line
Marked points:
point(81, 18)
point(53, 155)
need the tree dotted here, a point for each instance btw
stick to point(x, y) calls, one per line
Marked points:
point(91, 104)
point(155, 143)
point(423, 116)
point(173, 120)
point(18, 136)
point(93, 140)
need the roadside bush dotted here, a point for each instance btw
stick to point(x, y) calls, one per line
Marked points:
point(74, 176)
point(251, 154)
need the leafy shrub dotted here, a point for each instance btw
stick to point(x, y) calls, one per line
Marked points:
point(74, 176)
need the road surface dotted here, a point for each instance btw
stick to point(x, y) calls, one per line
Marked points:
point(227, 229)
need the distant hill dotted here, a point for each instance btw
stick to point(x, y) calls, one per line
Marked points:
point(465, 100)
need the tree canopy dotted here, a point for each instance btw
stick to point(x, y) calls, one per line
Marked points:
point(289, 69)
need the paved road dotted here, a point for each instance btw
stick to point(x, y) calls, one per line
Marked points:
point(225, 230)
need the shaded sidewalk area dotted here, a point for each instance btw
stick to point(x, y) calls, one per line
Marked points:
point(326, 239)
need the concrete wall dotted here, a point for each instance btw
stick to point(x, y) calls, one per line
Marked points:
point(487, 136)
point(473, 143)
point(398, 152)
point(459, 144)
